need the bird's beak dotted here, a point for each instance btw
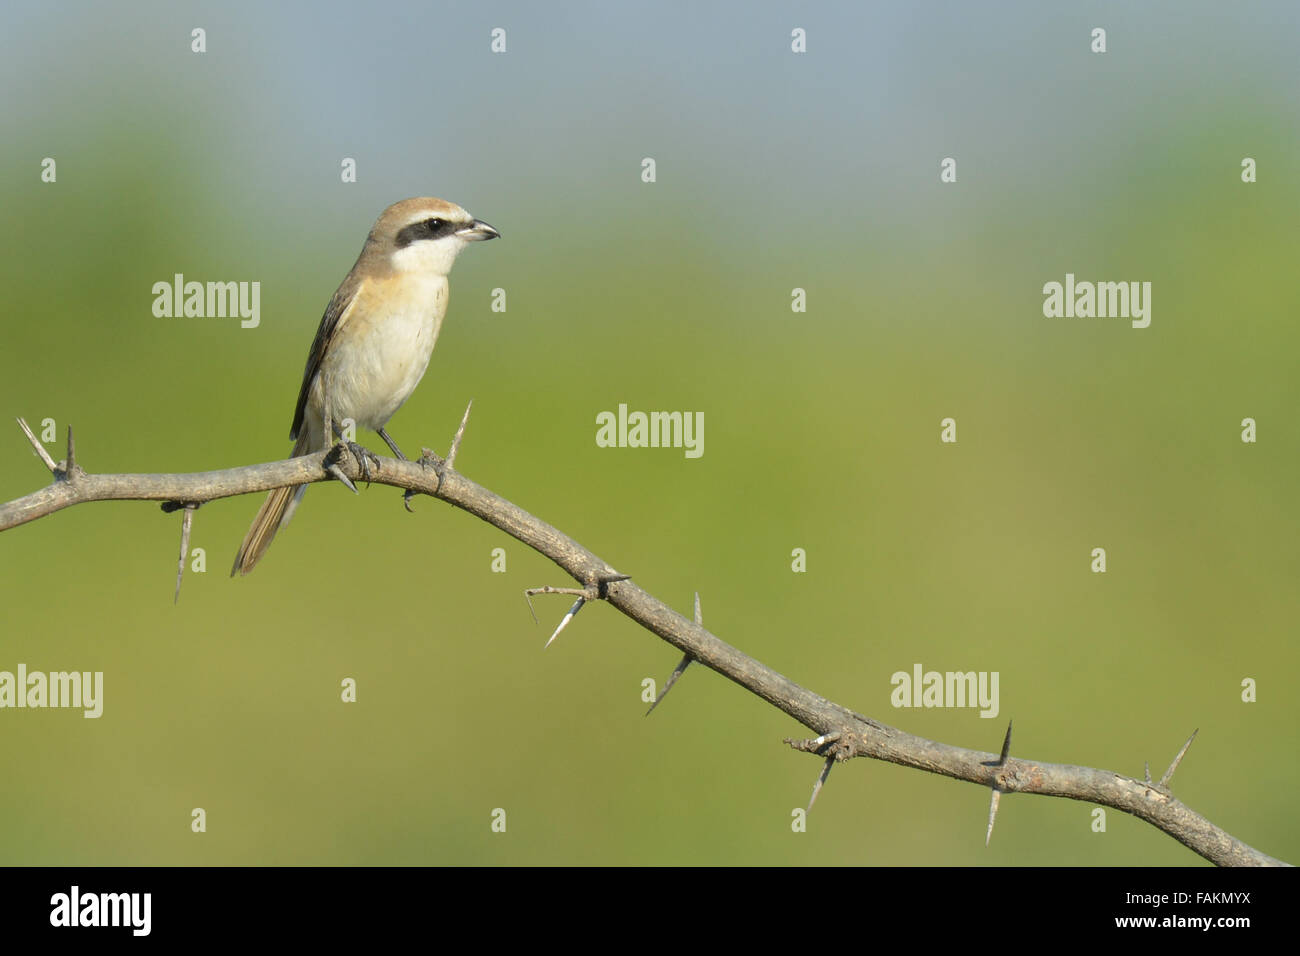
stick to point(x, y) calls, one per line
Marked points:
point(477, 230)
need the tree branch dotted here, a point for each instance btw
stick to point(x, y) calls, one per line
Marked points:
point(842, 733)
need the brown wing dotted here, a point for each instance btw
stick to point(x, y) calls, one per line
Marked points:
point(335, 315)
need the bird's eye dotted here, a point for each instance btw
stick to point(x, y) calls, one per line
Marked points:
point(433, 225)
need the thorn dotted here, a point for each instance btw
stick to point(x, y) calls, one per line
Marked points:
point(821, 779)
point(529, 592)
point(1169, 774)
point(1006, 750)
point(682, 665)
point(592, 592)
point(997, 794)
point(40, 449)
point(71, 463)
point(598, 588)
point(337, 472)
point(441, 466)
point(1146, 766)
point(186, 522)
point(814, 745)
point(564, 622)
point(672, 679)
point(460, 433)
point(993, 813)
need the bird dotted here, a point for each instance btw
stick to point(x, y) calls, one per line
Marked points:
point(373, 345)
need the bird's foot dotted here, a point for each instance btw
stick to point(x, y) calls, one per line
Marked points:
point(363, 457)
point(426, 461)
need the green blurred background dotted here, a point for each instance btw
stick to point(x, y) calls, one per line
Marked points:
point(775, 171)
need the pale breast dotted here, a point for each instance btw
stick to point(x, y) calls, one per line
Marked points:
point(379, 355)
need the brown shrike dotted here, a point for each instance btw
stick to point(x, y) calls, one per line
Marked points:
point(374, 342)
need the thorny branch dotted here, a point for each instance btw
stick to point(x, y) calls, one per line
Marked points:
point(842, 733)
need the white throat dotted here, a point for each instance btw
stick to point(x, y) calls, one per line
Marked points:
point(429, 256)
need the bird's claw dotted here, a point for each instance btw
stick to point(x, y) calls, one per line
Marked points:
point(364, 456)
point(426, 460)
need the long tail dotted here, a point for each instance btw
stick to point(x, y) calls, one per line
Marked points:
point(274, 514)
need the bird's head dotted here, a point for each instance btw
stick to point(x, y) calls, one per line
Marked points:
point(425, 235)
